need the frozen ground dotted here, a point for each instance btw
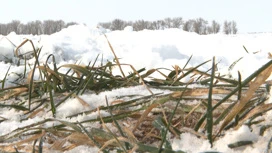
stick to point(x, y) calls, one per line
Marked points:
point(149, 49)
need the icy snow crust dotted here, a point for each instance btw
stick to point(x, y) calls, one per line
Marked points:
point(149, 49)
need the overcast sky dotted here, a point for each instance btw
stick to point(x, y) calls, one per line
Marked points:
point(250, 15)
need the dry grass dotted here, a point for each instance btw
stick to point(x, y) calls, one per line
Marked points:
point(141, 129)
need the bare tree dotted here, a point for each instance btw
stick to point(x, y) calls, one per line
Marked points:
point(200, 26)
point(51, 26)
point(38, 27)
point(129, 23)
point(157, 25)
point(118, 24)
point(20, 28)
point(59, 25)
point(3, 29)
point(13, 26)
point(209, 30)
point(141, 25)
point(70, 24)
point(189, 26)
point(227, 27)
point(48, 27)
point(173, 22)
point(215, 27)
point(177, 22)
point(33, 27)
point(9, 28)
point(168, 23)
point(27, 29)
point(234, 27)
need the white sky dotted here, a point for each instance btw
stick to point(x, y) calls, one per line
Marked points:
point(250, 15)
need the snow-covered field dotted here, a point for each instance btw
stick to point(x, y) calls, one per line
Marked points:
point(149, 49)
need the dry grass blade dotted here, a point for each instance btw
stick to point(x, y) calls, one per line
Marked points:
point(144, 115)
point(33, 114)
point(130, 135)
point(198, 92)
point(165, 76)
point(141, 79)
point(58, 144)
point(257, 110)
point(150, 134)
point(79, 69)
point(91, 135)
point(78, 139)
point(148, 73)
point(188, 72)
point(31, 76)
point(269, 55)
point(16, 52)
point(259, 80)
point(168, 125)
point(50, 71)
point(189, 130)
point(115, 138)
point(19, 131)
point(113, 142)
point(244, 83)
point(134, 149)
point(13, 149)
point(231, 81)
point(187, 116)
point(115, 57)
point(177, 71)
point(82, 102)
point(69, 124)
point(13, 93)
point(30, 139)
point(116, 123)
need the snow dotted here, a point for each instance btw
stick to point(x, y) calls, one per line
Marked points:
point(83, 149)
point(242, 134)
point(149, 49)
point(95, 101)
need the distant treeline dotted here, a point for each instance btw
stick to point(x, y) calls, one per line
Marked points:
point(198, 25)
point(34, 27)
